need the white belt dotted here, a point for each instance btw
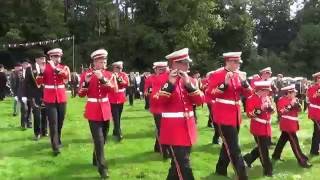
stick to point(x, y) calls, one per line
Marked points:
point(314, 106)
point(53, 86)
point(263, 121)
point(291, 118)
point(98, 99)
point(226, 101)
point(177, 114)
point(122, 90)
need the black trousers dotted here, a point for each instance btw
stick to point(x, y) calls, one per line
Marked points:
point(147, 102)
point(99, 131)
point(40, 125)
point(2, 93)
point(56, 114)
point(74, 91)
point(262, 152)
point(230, 151)
point(116, 110)
point(180, 163)
point(131, 94)
point(215, 138)
point(294, 142)
point(315, 138)
point(25, 109)
point(157, 147)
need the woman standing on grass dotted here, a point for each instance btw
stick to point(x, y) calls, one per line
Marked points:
point(289, 107)
point(96, 83)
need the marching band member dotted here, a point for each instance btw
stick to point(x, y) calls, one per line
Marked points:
point(96, 84)
point(259, 109)
point(117, 99)
point(225, 86)
point(313, 95)
point(289, 107)
point(178, 126)
point(53, 76)
point(152, 86)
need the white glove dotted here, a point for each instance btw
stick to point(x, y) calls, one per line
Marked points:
point(16, 98)
point(24, 100)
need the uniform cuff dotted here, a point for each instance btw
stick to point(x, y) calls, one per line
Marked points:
point(190, 88)
point(223, 87)
point(103, 81)
point(168, 87)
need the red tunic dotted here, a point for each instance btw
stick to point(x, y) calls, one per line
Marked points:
point(98, 105)
point(289, 120)
point(260, 125)
point(119, 97)
point(178, 125)
point(54, 84)
point(314, 102)
point(226, 109)
point(155, 82)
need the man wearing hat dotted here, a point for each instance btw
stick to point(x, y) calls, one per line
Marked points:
point(117, 99)
point(264, 75)
point(152, 86)
point(34, 94)
point(96, 83)
point(25, 102)
point(53, 76)
point(224, 88)
point(289, 107)
point(259, 109)
point(14, 85)
point(313, 95)
point(177, 125)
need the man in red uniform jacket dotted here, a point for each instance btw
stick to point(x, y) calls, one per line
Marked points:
point(96, 84)
point(289, 107)
point(224, 88)
point(152, 85)
point(313, 95)
point(53, 76)
point(259, 109)
point(118, 98)
point(178, 126)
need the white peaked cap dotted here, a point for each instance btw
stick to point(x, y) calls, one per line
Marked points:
point(99, 53)
point(55, 51)
point(118, 63)
point(291, 87)
point(160, 64)
point(263, 85)
point(182, 54)
point(267, 69)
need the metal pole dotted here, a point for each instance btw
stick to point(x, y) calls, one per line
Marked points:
point(73, 65)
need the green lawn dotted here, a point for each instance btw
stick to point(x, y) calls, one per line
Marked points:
point(133, 158)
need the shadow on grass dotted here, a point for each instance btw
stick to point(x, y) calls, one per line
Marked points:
point(34, 149)
point(216, 177)
point(139, 135)
point(74, 171)
point(136, 158)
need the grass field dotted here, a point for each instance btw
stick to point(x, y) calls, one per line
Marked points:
point(133, 158)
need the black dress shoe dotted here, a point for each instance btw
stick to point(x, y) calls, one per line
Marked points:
point(277, 159)
point(14, 114)
point(103, 173)
point(36, 137)
point(56, 153)
point(306, 165)
point(221, 173)
point(119, 138)
point(246, 162)
point(268, 174)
